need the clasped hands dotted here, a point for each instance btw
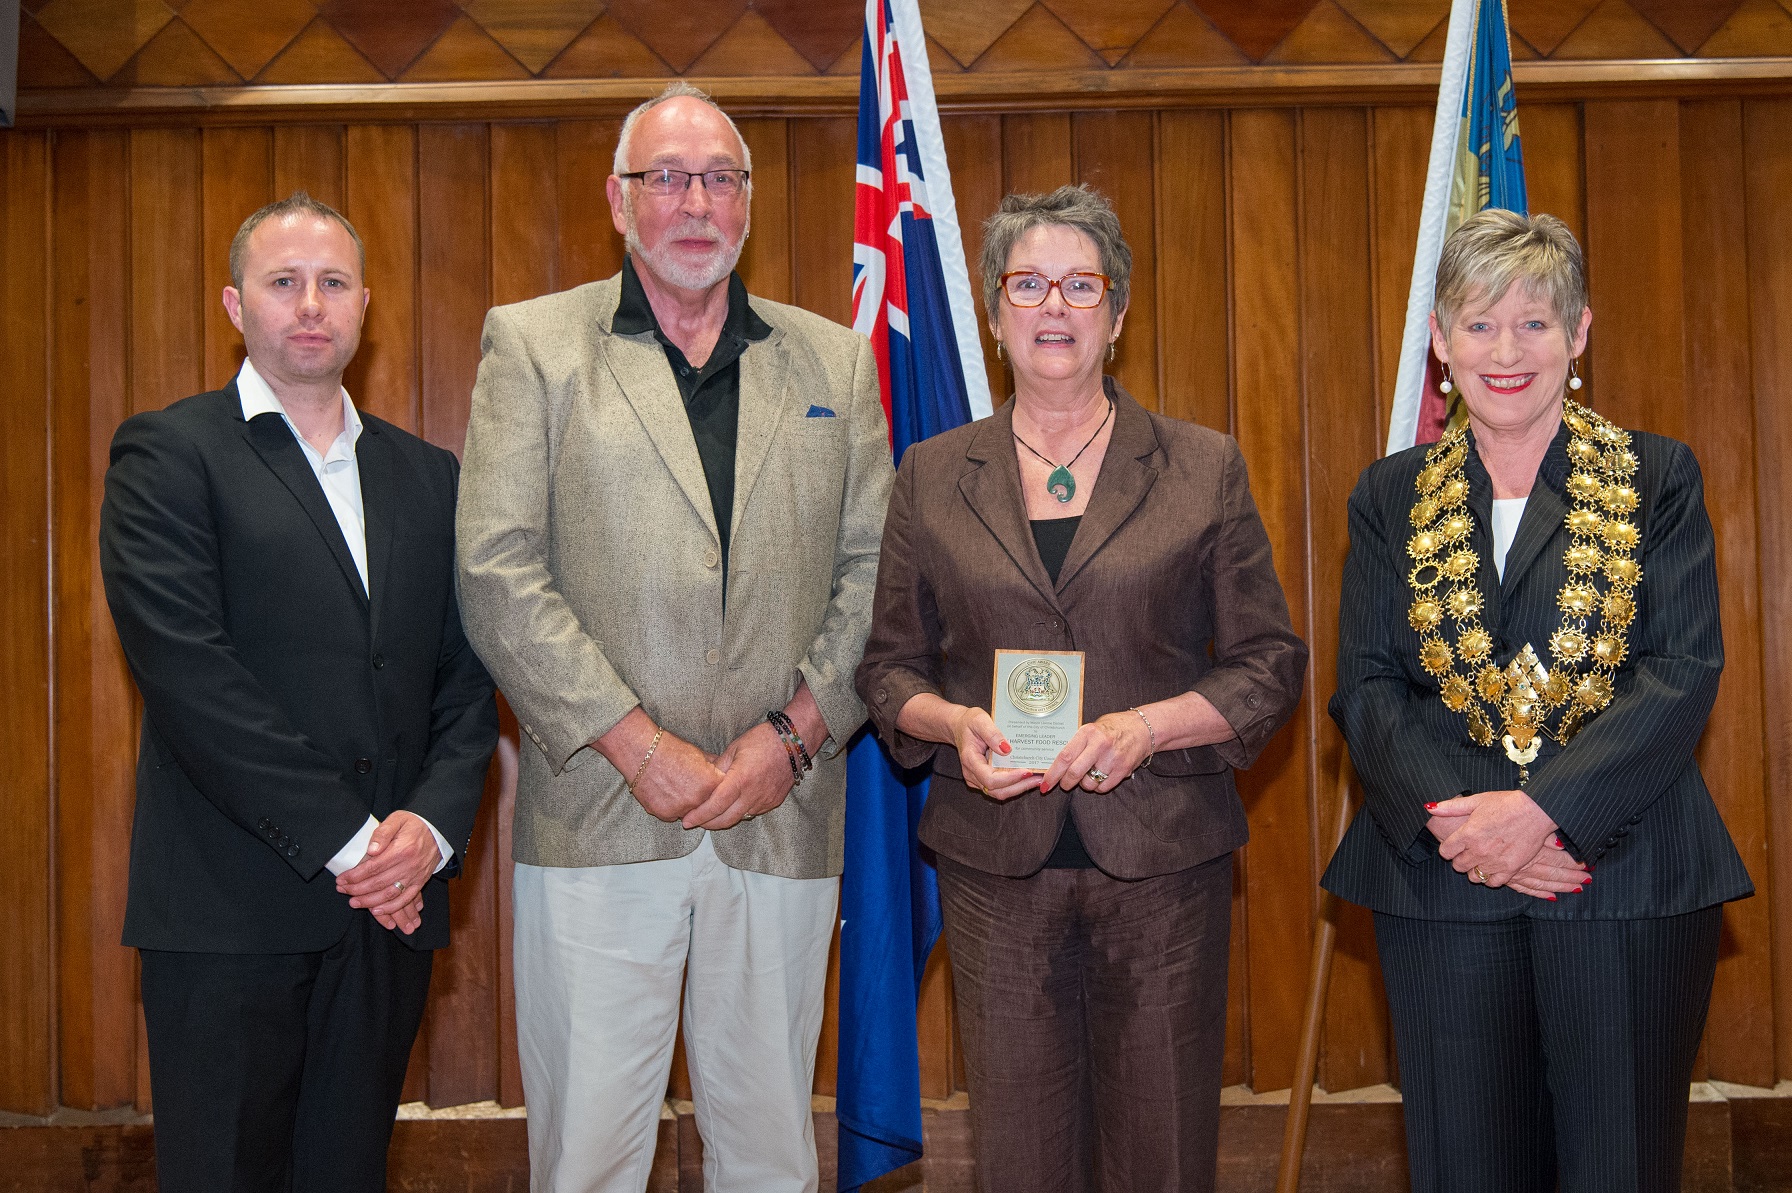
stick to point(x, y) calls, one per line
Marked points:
point(1099, 756)
point(389, 881)
point(699, 790)
point(1505, 837)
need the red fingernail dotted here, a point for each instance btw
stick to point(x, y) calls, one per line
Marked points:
point(1431, 806)
point(1577, 890)
point(1006, 748)
point(1552, 898)
point(1557, 842)
point(1044, 787)
point(1589, 867)
point(1587, 880)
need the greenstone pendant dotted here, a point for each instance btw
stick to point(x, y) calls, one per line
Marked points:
point(1061, 484)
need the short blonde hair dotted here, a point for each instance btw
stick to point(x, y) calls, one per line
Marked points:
point(1494, 248)
point(1079, 207)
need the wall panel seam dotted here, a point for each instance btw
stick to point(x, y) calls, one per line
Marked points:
point(1309, 693)
point(47, 304)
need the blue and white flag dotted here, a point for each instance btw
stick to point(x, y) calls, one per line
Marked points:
point(1476, 162)
point(912, 296)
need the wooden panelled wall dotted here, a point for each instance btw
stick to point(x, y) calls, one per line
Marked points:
point(1272, 250)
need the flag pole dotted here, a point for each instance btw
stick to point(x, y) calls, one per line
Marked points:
point(1306, 1063)
point(1446, 129)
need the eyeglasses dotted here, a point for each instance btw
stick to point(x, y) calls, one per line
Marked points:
point(1082, 290)
point(721, 184)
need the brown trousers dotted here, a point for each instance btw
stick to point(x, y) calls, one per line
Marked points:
point(1093, 1015)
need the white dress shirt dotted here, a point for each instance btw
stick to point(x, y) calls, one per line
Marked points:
point(1507, 513)
point(338, 471)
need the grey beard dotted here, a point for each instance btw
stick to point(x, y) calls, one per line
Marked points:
point(685, 275)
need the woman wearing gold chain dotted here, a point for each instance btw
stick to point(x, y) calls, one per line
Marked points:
point(1528, 651)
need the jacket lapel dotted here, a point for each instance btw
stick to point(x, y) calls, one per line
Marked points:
point(274, 443)
point(1121, 486)
point(764, 392)
point(1480, 508)
point(1545, 513)
point(638, 365)
point(375, 460)
point(992, 490)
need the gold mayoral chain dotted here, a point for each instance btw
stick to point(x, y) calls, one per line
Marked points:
point(1525, 694)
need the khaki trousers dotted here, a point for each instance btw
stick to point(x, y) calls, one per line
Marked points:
point(602, 954)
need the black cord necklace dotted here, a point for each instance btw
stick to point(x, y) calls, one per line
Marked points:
point(1061, 484)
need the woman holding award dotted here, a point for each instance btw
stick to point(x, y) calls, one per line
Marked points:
point(1078, 627)
point(1528, 650)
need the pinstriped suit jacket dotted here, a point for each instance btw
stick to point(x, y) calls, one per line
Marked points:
point(1626, 790)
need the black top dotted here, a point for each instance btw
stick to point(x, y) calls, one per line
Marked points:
point(711, 391)
point(1052, 536)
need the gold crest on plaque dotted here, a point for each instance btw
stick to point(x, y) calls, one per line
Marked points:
point(1038, 687)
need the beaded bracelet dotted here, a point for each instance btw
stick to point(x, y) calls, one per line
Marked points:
point(642, 769)
point(793, 744)
point(1152, 753)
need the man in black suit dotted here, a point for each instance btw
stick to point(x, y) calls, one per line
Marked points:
point(315, 732)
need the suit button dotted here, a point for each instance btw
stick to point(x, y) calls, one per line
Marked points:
point(263, 824)
point(710, 559)
point(713, 657)
point(883, 695)
point(292, 851)
point(1056, 624)
point(1253, 700)
point(379, 660)
point(363, 766)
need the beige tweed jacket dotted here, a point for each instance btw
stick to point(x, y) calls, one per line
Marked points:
point(589, 572)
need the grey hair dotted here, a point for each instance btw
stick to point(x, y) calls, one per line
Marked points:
point(1079, 207)
point(675, 89)
point(1494, 248)
point(297, 203)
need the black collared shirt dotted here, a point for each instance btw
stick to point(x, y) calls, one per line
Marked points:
point(711, 391)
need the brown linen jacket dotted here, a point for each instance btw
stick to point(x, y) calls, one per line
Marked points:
point(1168, 587)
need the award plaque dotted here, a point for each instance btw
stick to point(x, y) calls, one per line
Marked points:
point(1037, 703)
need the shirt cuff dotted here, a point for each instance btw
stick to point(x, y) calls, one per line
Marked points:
point(350, 855)
point(442, 845)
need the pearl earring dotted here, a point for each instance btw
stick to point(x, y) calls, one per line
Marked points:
point(1574, 381)
point(1447, 384)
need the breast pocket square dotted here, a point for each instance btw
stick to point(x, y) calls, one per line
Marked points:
point(819, 412)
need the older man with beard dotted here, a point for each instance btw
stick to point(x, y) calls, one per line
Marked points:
point(671, 505)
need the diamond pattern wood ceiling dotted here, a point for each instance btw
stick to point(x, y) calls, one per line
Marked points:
point(172, 43)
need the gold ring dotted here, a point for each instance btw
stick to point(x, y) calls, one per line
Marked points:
point(1100, 777)
point(1477, 875)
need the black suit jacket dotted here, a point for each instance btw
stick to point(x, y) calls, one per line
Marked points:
point(1626, 790)
point(281, 705)
point(1168, 587)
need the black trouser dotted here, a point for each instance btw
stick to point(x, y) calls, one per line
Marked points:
point(1537, 1051)
point(281, 1071)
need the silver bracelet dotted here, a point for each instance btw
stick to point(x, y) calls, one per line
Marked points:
point(1153, 733)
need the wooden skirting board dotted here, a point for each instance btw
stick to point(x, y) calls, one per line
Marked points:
point(1739, 1141)
point(1200, 86)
